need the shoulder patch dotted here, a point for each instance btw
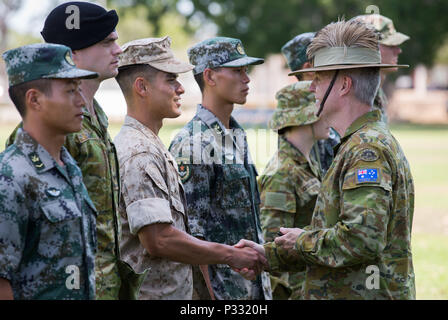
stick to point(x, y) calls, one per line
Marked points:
point(369, 155)
point(183, 167)
point(367, 175)
point(275, 199)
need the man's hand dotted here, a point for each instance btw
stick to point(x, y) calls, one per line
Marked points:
point(288, 239)
point(247, 271)
point(246, 257)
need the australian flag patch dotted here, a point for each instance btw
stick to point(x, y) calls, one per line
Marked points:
point(367, 175)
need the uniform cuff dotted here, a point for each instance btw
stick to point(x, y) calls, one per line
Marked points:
point(148, 211)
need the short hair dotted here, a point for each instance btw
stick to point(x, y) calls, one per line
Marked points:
point(18, 92)
point(366, 82)
point(353, 33)
point(200, 80)
point(127, 75)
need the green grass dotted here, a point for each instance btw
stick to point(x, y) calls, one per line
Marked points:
point(426, 148)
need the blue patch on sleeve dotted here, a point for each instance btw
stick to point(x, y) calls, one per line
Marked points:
point(367, 175)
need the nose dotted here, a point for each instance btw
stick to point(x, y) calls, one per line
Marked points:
point(116, 49)
point(79, 100)
point(246, 78)
point(180, 89)
point(398, 50)
point(313, 86)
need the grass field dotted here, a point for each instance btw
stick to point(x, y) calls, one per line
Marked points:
point(426, 148)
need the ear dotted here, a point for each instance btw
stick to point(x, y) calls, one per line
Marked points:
point(209, 77)
point(307, 65)
point(76, 56)
point(347, 85)
point(140, 87)
point(33, 99)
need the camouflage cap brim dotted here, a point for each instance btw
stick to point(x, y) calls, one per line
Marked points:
point(241, 62)
point(171, 66)
point(290, 117)
point(395, 39)
point(72, 73)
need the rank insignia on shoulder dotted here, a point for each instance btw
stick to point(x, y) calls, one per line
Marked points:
point(369, 155)
point(34, 157)
point(53, 192)
point(184, 169)
point(367, 175)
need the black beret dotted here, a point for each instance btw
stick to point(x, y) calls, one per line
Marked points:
point(95, 24)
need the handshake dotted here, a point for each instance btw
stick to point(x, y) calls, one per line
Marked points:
point(250, 260)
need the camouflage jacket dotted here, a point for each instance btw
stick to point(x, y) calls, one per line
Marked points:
point(47, 224)
point(358, 245)
point(151, 193)
point(222, 195)
point(95, 154)
point(93, 150)
point(289, 187)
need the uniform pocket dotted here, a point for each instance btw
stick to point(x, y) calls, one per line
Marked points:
point(61, 233)
point(234, 189)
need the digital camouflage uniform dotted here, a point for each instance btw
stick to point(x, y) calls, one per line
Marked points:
point(222, 196)
point(294, 52)
point(289, 184)
point(95, 154)
point(47, 220)
point(47, 223)
point(363, 217)
point(219, 176)
point(389, 37)
point(151, 193)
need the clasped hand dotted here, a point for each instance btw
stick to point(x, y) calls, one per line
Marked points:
point(286, 241)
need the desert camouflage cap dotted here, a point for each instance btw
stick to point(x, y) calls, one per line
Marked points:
point(155, 52)
point(295, 50)
point(219, 52)
point(42, 61)
point(296, 106)
point(385, 26)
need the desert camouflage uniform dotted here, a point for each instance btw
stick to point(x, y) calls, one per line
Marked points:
point(151, 193)
point(95, 154)
point(222, 195)
point(363, 217)
point(290, 184)
point(47, 224)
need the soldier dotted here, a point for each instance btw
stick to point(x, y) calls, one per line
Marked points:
point(291, 181)
point(47, 220)
point(358, 245)
point(153, 205)
point(215, 165)
point(389, 47)
point(295, 53)
point(94, 48)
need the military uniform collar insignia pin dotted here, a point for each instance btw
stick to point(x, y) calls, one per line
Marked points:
point(36, 160)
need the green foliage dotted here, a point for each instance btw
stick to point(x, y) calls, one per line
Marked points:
point(265, 25)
